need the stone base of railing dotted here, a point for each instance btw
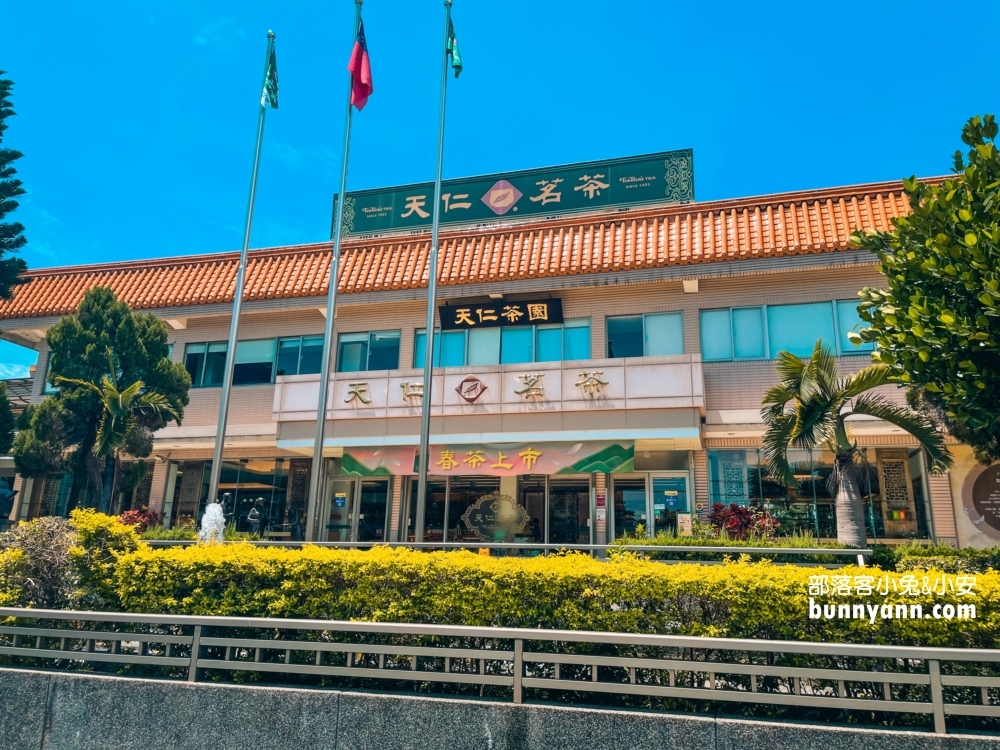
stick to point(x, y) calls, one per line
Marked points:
point(59, 711)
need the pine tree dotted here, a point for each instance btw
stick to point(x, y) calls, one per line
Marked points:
point(11, 232)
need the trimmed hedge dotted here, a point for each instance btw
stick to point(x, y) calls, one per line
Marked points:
point(627, 594)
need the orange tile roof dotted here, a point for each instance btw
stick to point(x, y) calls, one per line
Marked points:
point(800, 223)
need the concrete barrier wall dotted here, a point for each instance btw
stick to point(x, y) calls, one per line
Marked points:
point(64, 711)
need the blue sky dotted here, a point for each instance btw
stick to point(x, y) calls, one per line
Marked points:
point(137, 118)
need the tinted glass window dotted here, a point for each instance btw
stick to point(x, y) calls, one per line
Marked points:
point(516, 345)
point(383, 353)
point(576, 339)
point(716, 335)
point(484, 346)
point(748, 333)
point(795, 328)
point(311, 359)
point(625, 336)
point(215, 364)
point(254, 362)
point(194, 361)
point(352, 353)
point(548, 343)
point(664, 334)
point(452, 347)
point(288, 356)
point(848, 320)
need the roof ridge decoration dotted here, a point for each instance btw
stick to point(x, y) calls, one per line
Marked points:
point(783, 224)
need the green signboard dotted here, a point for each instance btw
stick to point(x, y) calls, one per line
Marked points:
point(667, 177)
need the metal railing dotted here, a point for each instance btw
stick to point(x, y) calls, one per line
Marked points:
point(851, 556)
point(845, 677)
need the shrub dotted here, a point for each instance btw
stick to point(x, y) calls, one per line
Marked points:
point(177, 533)
point(736, 599)
point(37, 566)
point(100, 539)
point(743, 522)
point(141, 520)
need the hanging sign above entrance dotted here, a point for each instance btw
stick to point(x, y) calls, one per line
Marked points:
point(666, 177)
point(496, 460)
point(502, 313)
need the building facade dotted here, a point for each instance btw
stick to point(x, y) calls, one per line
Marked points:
point(603, 371)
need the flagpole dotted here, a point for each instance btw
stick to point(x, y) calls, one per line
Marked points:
point(234, 326)
point(316, 476)
point(425, 412)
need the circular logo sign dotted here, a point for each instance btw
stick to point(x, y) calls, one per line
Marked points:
point(986, 497)
point(495, 518)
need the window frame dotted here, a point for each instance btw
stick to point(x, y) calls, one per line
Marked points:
point(769, 355)
point(368, 349)
point(583, 322)
point(645, 337)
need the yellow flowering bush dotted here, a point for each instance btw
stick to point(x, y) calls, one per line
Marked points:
point(628, 594)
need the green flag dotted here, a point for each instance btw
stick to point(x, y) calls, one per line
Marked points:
point(452, 49)
point(269, 96)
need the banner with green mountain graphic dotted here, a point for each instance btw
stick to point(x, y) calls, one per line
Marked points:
point(494, 459)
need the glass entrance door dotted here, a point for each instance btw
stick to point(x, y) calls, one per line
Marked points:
point(630, 506)
point(670, 497)
point(372, 510)
point(339, 517)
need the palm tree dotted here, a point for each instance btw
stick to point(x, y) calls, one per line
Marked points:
point(126, 411)
point(809, 410)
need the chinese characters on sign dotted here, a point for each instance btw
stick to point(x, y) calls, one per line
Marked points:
point(492, 315)
point(532, 387)
point(666, 177)
point(448, 459)
point(357, 392)
point(412, 391)
point(495, 517)
point(591, 383)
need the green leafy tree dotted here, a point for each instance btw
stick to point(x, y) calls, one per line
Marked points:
point(937, 324)
point(125, 414)
point(6, 421)
point(63, 433)
point(808, 409)
point(11, 232)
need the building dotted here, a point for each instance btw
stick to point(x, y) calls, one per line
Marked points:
point(603, 369)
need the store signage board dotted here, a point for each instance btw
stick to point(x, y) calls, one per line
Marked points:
point(501, 313)
point(666, 177)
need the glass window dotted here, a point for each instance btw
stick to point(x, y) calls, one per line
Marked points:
point(452, 349)
point(576, 339)
point(569, 511)
point(646, 335)
point(630, 506)
point(748, 333)
point(194, 361)
point(352, 354)
point(463, 492)
point(420, 344)
point(548, 343)
point(625, 336)
point(484, 346)
point(795, 328)
point(215, 364)
point(254, 362)
point(716, 335)
point(311, 359)
point(664, 334)
point(383, 350)
point(516, 345)
point(288, 356)
point(848, 320)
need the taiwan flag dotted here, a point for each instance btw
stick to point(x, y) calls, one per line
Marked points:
point(361, 71)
